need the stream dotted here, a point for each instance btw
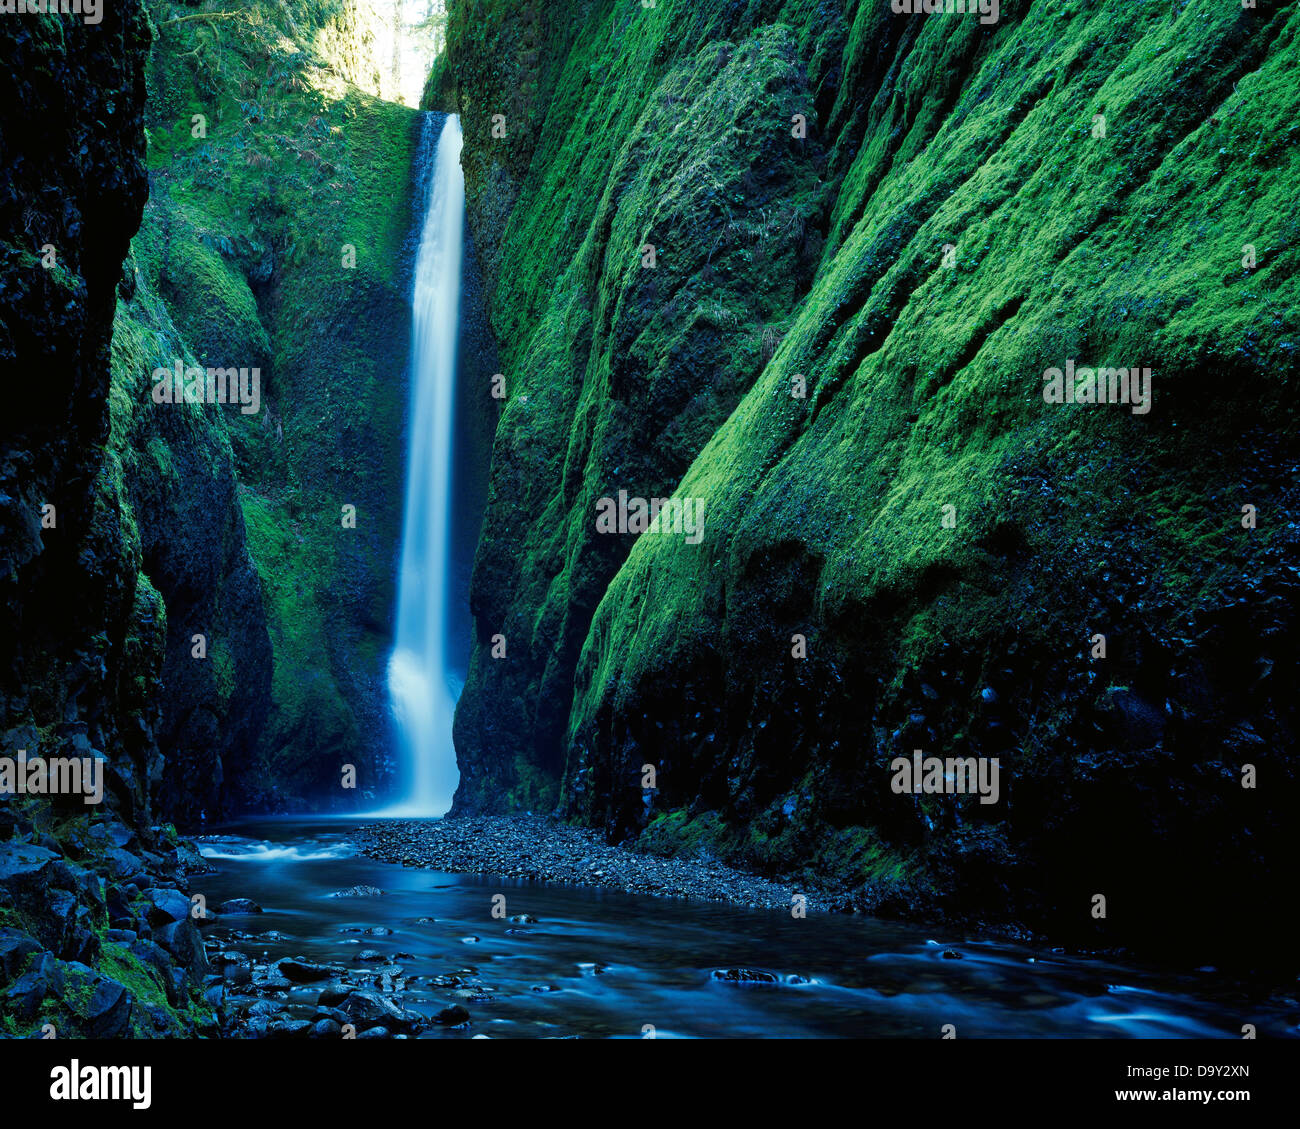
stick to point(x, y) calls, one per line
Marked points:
point(597, 963)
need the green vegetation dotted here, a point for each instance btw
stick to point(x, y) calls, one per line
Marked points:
point(275, 234)
point(823, 258)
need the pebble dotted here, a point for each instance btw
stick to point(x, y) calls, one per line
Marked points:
point(535, 847)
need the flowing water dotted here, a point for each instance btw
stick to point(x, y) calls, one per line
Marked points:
point(422, 684)
point(599, 963)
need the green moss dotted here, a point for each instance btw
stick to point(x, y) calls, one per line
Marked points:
point(676, 833)
point(143, 981)
point(825, 515)
point(533, 790)
point(249, 237)
point(936, 374)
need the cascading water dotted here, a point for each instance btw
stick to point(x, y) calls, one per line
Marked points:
point(421, 684)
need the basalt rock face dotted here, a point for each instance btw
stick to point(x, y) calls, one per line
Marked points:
point(86, 634)
point(922, 551)
point(177, 471)
point(72, 190)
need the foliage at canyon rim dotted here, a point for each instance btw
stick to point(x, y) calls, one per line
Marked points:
point(823, 257)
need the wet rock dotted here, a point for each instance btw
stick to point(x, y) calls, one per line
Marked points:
point(302, 971)
point(118, 907)
point(523, 919)
point(82, 943)
point(264, 1008)
point(22, 865)
point(166, 906)
point(332, 996)
point(339, 1017)
point(743, 976)
point(445, 980)
point(288, 1029)
point(239, 906)
point(362, 891)
point(326, 1029)
point(190, 861)
point(366, 1010)
point(454, 1016)
point(88, 886)
point(124, 867)
point(375, 1033)
point(183, 940)
point(369, 955)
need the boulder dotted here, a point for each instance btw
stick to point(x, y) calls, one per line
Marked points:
point(166, 905)
point(42, 980)
point(302, 971)
point(15, 947)
point(454, 1016)
point(101, 1004)
point(366, 1010)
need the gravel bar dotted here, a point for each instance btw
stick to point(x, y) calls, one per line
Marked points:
point(544, 850)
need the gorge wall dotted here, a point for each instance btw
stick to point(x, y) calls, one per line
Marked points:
point(278, 234)
point(182, 599)
point(972, 204)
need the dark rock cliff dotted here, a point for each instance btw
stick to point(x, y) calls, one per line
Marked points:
point(122, 537)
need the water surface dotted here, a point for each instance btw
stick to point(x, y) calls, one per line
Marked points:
point(600, 963)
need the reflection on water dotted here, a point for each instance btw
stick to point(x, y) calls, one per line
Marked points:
point(598, 963)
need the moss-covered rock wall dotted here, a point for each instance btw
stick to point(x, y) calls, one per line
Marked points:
point(973, 204)
point(278, 235)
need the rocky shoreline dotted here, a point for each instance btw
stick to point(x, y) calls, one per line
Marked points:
point(545, 850)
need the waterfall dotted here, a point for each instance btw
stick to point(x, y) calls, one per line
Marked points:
point(421, 684)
